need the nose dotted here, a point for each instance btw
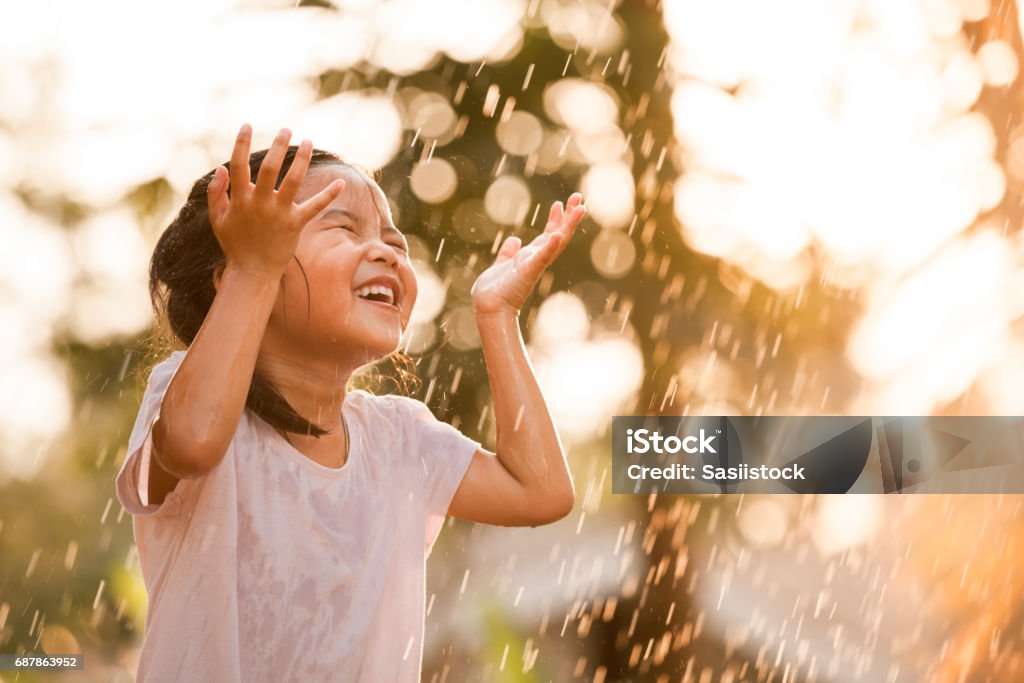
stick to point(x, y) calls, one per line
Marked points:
point(380, 251)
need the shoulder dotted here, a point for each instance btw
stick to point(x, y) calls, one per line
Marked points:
point(392, 404)
point(377, 411)
point(163, 370)
point(173, 360)
point(390, 412)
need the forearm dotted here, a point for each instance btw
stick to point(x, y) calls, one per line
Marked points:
point(527, 441)
point(204, 401)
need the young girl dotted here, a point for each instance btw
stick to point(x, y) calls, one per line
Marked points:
point(283, 521)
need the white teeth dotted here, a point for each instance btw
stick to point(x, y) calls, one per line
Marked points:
point(365, 292)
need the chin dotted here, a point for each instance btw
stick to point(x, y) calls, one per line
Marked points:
point(388, 340)
point(372, 346)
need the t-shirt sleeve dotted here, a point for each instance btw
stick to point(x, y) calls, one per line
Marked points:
point(444, 453)
point(133, 477)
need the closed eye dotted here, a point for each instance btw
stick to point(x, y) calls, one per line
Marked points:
point(398, 244)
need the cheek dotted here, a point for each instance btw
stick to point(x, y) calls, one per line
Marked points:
point(412, 292)
point(321, 287)
point(292, 290)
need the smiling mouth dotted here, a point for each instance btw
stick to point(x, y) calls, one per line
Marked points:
point(378, 294)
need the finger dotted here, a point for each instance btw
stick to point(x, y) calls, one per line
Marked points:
point(293, 180)
point(567, 227)
point(554, 216)
point(271, 166)
point(539, 249)
point(318, 202)
point(551, 249)
point(532, 261)
point(239, 169)
point(509, 248)
point(575, 200)
point(571, 221)
point(215, 191)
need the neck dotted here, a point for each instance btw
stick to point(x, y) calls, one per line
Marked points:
point(315, 388)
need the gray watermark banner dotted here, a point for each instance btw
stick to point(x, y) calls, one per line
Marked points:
point(817, 454)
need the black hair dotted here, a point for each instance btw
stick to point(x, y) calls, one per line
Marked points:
point(181, 287)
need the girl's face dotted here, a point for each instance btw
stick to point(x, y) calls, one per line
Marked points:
point(361, 286)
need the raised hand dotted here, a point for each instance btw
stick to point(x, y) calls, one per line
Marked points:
point(515, 272)
point(258, 227)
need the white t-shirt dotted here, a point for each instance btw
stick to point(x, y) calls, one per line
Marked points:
point(273, 567)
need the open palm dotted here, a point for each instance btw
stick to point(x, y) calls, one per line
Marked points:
point(517, 268)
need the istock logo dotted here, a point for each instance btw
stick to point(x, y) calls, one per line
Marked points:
point(645, 441)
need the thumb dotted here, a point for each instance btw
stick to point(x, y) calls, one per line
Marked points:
point(509, 248)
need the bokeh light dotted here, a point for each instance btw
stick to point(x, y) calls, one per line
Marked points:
point(520, 134)
point(507, 200)
point(842, 522)
point(581, 105)
point(587, 375)
point(764, 521)
point(360, 112)
point(613, 253)
point(433, 181)
point(430, 294)
point(610, 194)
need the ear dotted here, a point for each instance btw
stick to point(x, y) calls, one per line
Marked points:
point(218, 272)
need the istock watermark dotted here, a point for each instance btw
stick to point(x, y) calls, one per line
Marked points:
point(823, 454)
point(644, 441)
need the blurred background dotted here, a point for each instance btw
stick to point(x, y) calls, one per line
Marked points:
point(795, 207)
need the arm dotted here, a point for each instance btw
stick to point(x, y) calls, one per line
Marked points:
point(258, 230)
point(204, 401)
point(527, 482)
